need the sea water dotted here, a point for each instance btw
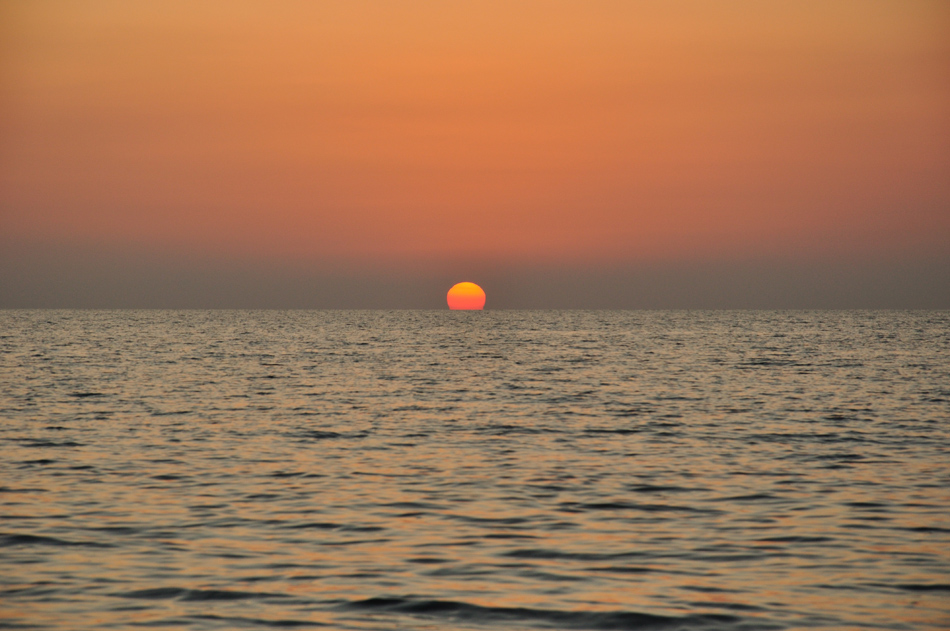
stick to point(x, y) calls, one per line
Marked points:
point(474, 470)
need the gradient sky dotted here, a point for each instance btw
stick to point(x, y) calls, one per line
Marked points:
point(561, 154)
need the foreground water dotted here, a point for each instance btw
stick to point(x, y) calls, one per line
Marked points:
point(492, 470)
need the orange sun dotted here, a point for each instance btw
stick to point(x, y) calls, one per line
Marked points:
point(466, 296)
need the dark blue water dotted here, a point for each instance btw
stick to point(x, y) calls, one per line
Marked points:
point(474, 470)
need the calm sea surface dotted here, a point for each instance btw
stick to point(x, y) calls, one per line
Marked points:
point(474, 470)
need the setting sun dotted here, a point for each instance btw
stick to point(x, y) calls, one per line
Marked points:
point(466, 296)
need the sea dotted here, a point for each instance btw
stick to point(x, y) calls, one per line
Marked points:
point(517, 470)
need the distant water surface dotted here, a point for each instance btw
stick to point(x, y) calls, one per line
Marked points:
point(474, 470)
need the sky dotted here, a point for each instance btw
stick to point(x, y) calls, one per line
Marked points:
point(371, 154)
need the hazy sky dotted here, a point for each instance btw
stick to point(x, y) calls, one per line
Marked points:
point(561, 154)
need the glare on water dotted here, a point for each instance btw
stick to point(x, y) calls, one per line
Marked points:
point(382, 470)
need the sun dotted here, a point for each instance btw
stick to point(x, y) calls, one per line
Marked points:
point(466, 296)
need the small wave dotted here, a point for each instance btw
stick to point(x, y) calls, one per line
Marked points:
point(362, 528)
point(20, 539)
point(419, 408)
point(876, 507)
point(658, 488)
point(502, 429)
point(254, 622)
point(925, 529)
point(622, 569)
point(180, 593)
point(318, 435)
point(793, 539)
point(414, 505)
point(501, 521)
point(917, 587)
point(924, 587)
point(559, 619)
point(768, 362)
point(754, 497)
point(427, 560)
point(650, 508)
point(50, 443)
point(309, 435)
point(727, 605)
point(11, 624)
point(543, 553)
point(312, 525)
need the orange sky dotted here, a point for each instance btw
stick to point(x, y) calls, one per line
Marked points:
point(543, 132)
